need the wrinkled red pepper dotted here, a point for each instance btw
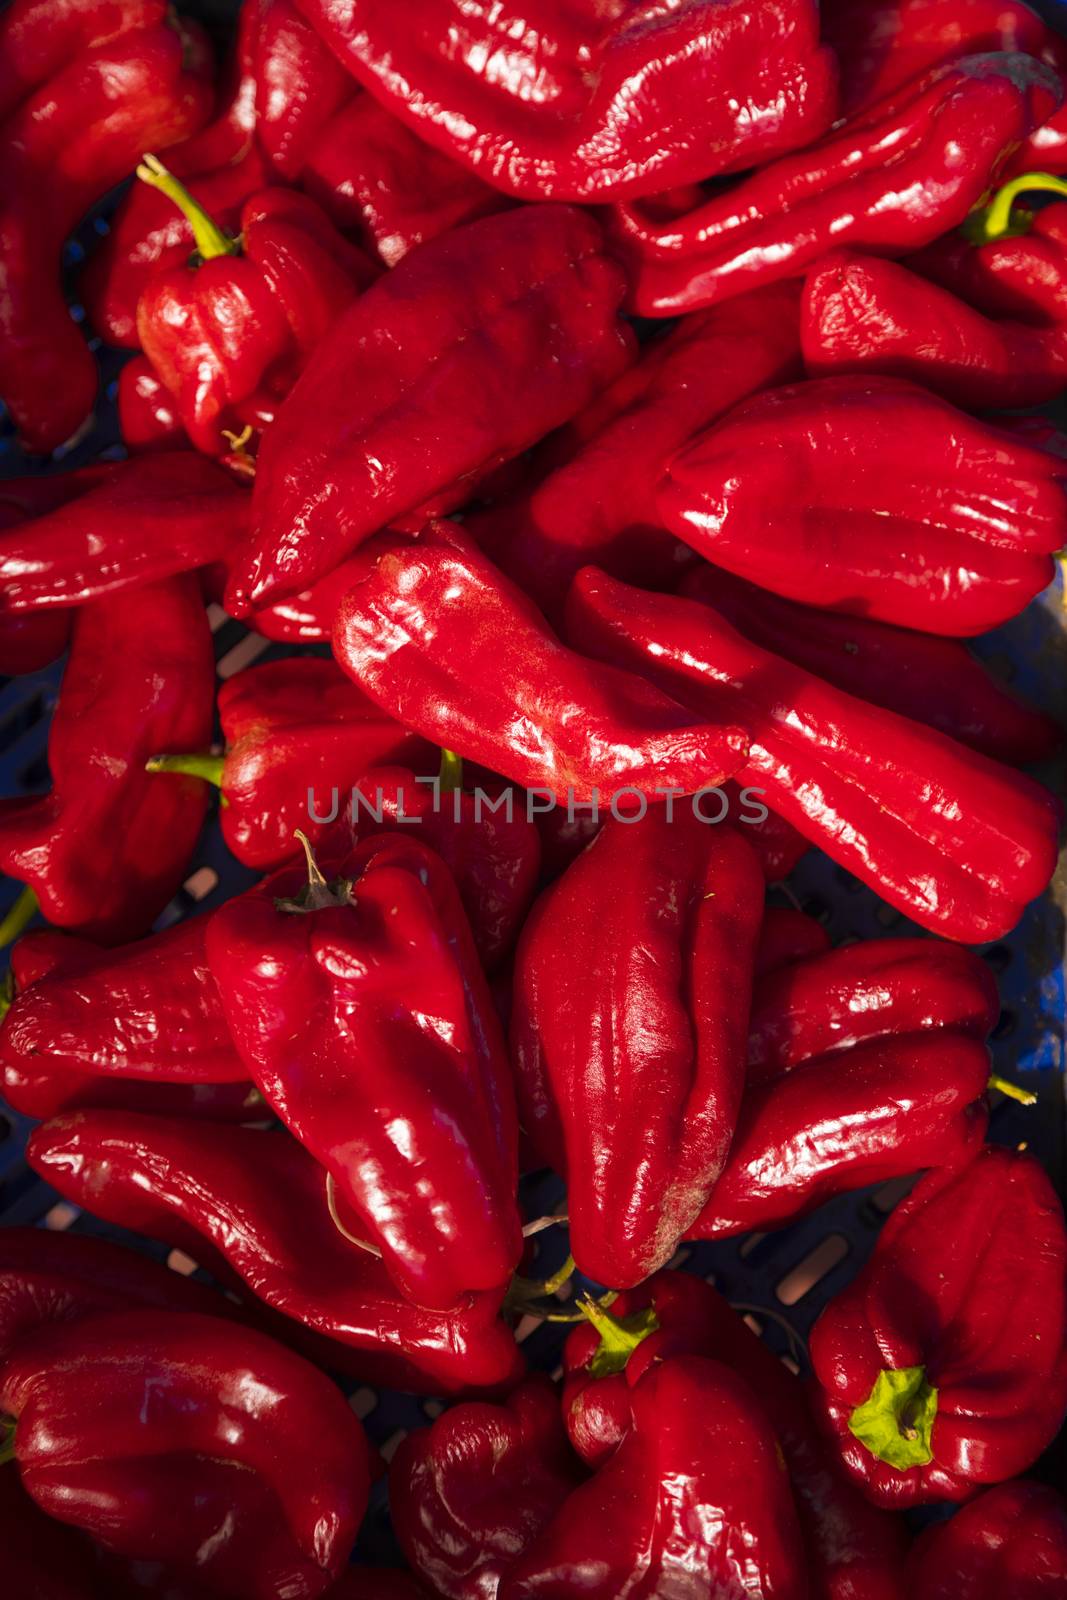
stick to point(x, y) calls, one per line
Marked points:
point(128, 524)
point(877, 498)
point(854, 1552)
point(105, 849)
point(230, 332)
point(192, 1441)
point(148, 413)
point(29, 641)
point(918, 675)
point(433, 616)
point(468, 352)
point(581, 103)
point(1008, 1544)
point(891, 180)
point(596, 500)
point(77, 112)
point(943, 1364)
point(252, 1207)
point(630, 1064)
point(962, 856)
point(1014, 265)
point(380, 972)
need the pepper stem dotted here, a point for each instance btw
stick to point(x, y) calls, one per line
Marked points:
point(1025, 1097)
point(195, 765)
point(995, 220)
point(896, 1422)
point(211, 241)
point(619, 1336)
point(317, 894)
point(7, 994)
point(7, 1440)
point(450, 775)
point(18, 916)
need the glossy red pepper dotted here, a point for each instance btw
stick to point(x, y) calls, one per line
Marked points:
point(788, 935)
point(630, 1064)
point(42, 1558)
point(943, 1364)
point(596, 500)
point(308, 617)
point(580, 103)
point(252, 1207)
point(962, 856)
point(878, 498)
point(518, 313)
point(380, 972)
point(1008, 1544)
point(932, 680)
point(195, 1442)
point(448, 646)
point(105, 849)
point(131, 524)
point(854, 1552)
point(77, 114)
point(299, 87)
point(889, 181)
point(470, 1493)
point(695, 1497)
point(1016, 272)
point(148, 413)
point(28, 641)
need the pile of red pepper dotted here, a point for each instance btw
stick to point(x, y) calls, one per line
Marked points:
point(624, 403)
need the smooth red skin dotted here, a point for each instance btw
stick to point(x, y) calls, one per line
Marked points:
point(426, 381)
point(39, 1091)
point(888, 182)
point(922, 676)
point(293, 727)
point(342, 1016)
point(432, 617)
point(582, 104)
point(108, 846)
point(861, 315)
point(879, 499)
point(1024, 278)
point(28, 643)
point(630, 1064)
point(42, 1560)
point(222, 332)
point(148, 519)
point(1008, 1544)
point(495, 863)
point(299, 87)
point(854, 1551)
point(969, 1280)
point(251, 1206)
point(308, 617)
point(876, 989)
point(696, 1495)
point(881, 44)
point(598, 504)
point(64, 1278)
point(379, 181)
point(882, 1110)
point(41, 38)
point(470, 1493)
point(115, 1418)
point(148, 415)
point(962, 857)
point(788, 935)
point(70, 140)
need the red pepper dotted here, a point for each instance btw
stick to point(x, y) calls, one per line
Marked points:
point(1008, 262)
point(788, 935)
point(299, 87)
point(470, 1493)
point(252, 1207)
point(867, 316)
point(195, 1442)
point(918, 675)
point(695, 1497)
point(630, 1064)
point(105, 849)
point(881, 44)
point(42, 1559)
point(1008, 1544)
point(380, 972)
point(308, 617)
point(943, 1365)
point(580, 103)
point(444, 643)
point(889, 181)
point(596, 501)
point(962, 856)
point(29, 642)
point(229, 333)
point(133, 524)
point(380, 182)
point(878, 498)
point(148, 414)
point(77, 116)
point(853, 1551)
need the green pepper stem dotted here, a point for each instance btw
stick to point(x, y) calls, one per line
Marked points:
point(7, 993)
point(201, 764)
point(619, 1336)
point(211, 241)
point(18, 917)
point(1025, 1097)
point(994, 221)
point(451, 772)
